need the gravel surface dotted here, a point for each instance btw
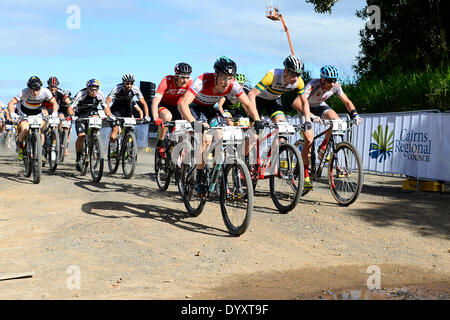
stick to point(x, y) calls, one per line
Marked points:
point(124, 239)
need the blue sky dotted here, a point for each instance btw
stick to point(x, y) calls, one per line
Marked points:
point(147, 38)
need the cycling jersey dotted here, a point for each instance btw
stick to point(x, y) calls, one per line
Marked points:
point(123, 103)
point(169, 93)
point(316, 95)
point(272, 86)
point(203, 90)
point(84, 104)
point(31, 102)
point(60, 96)
point(234, 103)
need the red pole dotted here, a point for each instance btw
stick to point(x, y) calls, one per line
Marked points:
point(287, 33)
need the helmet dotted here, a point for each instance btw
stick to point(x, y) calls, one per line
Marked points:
point(225, 66)
point(53, 82)
point(294, 64)
point(240, 77)
point(329, 72)
point(183, 69)
point(128, 78)
point(34, 83)
point(93, 82)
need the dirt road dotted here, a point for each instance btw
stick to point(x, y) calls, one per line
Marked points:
point(124, 239)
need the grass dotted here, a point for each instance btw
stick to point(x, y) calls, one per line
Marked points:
point(396, 92)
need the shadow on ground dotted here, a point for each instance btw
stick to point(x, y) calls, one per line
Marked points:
point(177, 218)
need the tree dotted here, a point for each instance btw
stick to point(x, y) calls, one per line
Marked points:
point(413, 36)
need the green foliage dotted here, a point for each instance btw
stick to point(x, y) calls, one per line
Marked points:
point(322, 6)
point(399, 91)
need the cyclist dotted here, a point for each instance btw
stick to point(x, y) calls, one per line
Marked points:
point(267, 97)
point(62, 98)
point(28, 102)
point(234, 109)
point(123, 104)
point(86, 104)
point(198, 104)
point(167, 97)
point(318, 91)
point(3, 117)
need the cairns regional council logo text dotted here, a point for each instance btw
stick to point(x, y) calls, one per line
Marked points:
point(414, 145)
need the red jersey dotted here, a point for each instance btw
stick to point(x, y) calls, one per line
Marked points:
point(169, 93)
point(203, 90)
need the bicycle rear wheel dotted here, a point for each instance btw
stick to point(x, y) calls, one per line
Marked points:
point(286, 184)
point(129, 155)
point(345, 173)
point(96, 158)
point(53, 150)
point(36, 159)
point(114, 159)
point(236, 196)
point(193, 203)
point(162, 169)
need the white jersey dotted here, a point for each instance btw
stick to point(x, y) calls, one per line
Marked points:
point(316, 95)
point(3, 106)
point(31, 102)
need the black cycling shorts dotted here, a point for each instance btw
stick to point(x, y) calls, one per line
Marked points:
point(80, 126)
point(269, 108)
point(176, 115)
point(207, 114)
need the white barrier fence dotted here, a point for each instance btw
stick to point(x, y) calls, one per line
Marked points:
point(405, 143)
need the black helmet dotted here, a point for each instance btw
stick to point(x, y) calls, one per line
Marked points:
point(34, 83)
point(183, 69)
point(294, 64)
point(128, 78)
point(225, 66)
point(53, 82)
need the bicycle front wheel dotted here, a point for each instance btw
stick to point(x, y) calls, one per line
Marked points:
point(113, 157)
point(194, 204)
point(36, 159)
point(53, 150)
point(162, 170)
point(63, 136)
point(129, 155)
point(28, 156)
point(236, 196)
point(96, 158)
point(183, 166)
point(286, 183)
point(345, 173)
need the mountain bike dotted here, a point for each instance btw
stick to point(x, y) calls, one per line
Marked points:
point(66, 124)
point(32, 151)
point(342, 159)
point(125, 148)
point(177, 157)
point(228, 178)
point(51, 146)
point(284, 168)
point(92, 151)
